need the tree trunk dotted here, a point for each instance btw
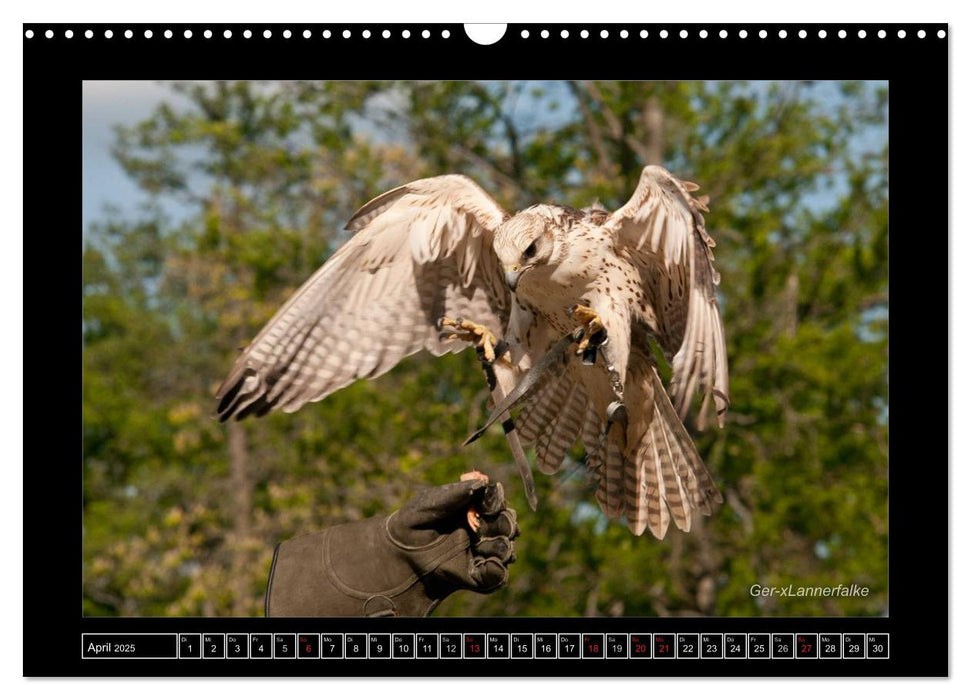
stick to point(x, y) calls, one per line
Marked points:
point(792, 304)
point(654, 126)
point(242, 506)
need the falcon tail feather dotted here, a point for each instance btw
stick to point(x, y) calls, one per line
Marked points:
point(651, 475)
point(552, 365)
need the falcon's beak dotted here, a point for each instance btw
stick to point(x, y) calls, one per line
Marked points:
point(513, 273)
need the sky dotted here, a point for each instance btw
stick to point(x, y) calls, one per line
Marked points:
point(106, 104)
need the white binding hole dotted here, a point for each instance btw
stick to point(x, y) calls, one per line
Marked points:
point(267, 33)
point(386, 34)
point(604, 33)
point(227, 34)
point(623, 34)
point(703, 33)
point(187, 33)
point(168, 34)
point(49, 33)
point(29, 34)
point(484, 34)
point(584, 33)
point(643, 34)
point(921, 34)
point(683, 33)
point(901, 34)
point(783, 33)
point(129, 34)
point(68, 34)
point(207, 34)
point(663, 34)
point(425, 34)
point(346, 34)
point(405, 34)
point(446, 34)
point(763, 34)
point(861, 33)
point(366, 34)
point(326, 34)
point(822, 33)
point(544, 34)
point(723, 34)
point(802, 33)
point(286, 34)
point(564, 34)
point(247, 33)
point(743, 34)
point(148, 33)
point(941, 34)
point(841, 34)
point(89, 34)
point(524, 34)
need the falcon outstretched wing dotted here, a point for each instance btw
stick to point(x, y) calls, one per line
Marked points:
point(663, 232)
point(420, 252)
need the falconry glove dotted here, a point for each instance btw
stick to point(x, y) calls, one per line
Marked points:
point(447, 538)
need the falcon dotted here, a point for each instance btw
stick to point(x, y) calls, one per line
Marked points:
point(570, 311)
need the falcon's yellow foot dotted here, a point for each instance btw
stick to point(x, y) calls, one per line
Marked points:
point(480, 336)
point(589, 318)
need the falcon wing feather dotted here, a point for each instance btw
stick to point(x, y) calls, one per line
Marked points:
point(420, 252)
point(663, 231)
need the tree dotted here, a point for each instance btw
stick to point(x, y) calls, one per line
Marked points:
point(181, 514)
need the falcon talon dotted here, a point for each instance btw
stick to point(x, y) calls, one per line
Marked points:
point(584, 314)
point(594, 332)
point(480, 336)
point(595, 342)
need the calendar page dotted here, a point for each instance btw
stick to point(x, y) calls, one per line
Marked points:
point(552, 348)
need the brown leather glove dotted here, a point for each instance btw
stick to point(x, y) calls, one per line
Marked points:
point(403, 564)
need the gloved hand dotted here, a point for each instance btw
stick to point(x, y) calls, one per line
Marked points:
point(403, 564)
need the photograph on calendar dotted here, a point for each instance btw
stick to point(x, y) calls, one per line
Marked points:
point(573, 348)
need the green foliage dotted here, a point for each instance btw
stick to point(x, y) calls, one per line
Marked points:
point(181, 513)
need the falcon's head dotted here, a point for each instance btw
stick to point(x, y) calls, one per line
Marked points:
point(525, 241)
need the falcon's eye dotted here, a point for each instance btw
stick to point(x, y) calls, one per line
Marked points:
point(530, 251)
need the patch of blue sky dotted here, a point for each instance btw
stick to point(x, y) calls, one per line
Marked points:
point(533, 107)
point(105, 105)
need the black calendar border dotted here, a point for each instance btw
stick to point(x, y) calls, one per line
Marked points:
point(917, 71)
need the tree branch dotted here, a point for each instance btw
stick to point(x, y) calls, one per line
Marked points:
point(614, 124)
point(596, 136)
